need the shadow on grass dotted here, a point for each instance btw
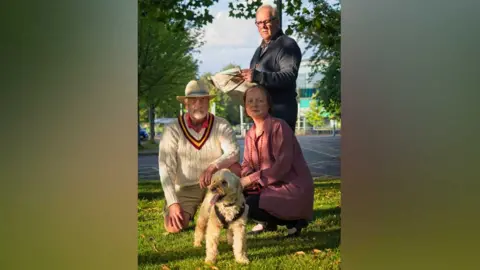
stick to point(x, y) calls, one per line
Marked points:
point(172, 256)
point(326, 185)
point(308, 240)
point(321, 213)
point(150, 190)
point(151, 196)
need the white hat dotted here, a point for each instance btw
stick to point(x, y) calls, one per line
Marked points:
point(195, 89)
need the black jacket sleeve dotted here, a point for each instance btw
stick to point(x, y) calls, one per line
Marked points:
point(288, 59)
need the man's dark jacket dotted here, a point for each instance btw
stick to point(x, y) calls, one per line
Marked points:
point(277, 70)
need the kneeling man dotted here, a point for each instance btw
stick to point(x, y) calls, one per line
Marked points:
point(192, 148)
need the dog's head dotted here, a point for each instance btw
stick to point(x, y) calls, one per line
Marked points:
point(225, 186)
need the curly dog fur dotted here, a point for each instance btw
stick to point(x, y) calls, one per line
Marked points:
point(226, 194)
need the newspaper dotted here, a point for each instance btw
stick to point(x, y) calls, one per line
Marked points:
point(231, 82)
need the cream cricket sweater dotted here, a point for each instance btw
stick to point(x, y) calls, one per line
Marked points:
point(185, 154)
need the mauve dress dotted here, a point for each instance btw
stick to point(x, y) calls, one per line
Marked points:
point(287, 183)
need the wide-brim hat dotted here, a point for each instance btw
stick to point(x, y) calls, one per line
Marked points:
point(232, 83)
point(195, 89)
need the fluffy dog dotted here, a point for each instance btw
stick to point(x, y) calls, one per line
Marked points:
point(223, 207)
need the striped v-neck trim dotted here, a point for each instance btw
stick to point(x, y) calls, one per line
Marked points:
point(198, 144)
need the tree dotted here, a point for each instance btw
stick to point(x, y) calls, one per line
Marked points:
point(142, 111)
point(315, 116)
point(164, 56)
point(165, 65)
point(169, 34)
point(318, 23)
point(329, 89)
point(178, 15)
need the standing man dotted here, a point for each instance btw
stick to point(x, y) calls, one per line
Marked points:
point(275, 65)
point(191, 150)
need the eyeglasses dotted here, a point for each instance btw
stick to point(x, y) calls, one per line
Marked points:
point(265, 22)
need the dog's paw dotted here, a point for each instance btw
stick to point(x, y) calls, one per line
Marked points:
point(197, 244)
point(243, 260)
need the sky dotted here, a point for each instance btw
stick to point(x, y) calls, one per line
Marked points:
point(229, 40)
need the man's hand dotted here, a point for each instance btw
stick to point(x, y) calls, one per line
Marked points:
point(247, 74)
point(175, 216)
point(206, 176)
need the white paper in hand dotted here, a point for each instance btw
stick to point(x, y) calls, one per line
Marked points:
point(231, 82)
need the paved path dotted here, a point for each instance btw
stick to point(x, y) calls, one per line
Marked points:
point(321, 152)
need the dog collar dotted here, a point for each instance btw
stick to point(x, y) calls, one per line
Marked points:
point(222, 217)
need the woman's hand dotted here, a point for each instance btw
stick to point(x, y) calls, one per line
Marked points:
point(245, 181)
point(250, 171)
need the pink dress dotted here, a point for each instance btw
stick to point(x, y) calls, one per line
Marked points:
point(275, 160)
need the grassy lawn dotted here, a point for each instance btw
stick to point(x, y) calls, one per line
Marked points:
point(317, 248)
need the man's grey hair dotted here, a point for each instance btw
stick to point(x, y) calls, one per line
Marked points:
point(273, 11)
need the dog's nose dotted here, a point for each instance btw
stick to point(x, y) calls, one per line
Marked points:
point(213, 189)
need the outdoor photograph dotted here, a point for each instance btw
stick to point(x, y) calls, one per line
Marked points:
point(239, 129)
point(270, 134)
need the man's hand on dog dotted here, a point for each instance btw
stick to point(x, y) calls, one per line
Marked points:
point(175, 216)
point(206, 176)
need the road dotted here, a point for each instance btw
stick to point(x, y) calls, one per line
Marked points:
point(321, 152)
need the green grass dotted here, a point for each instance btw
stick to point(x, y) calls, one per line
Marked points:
point(317, 248)
point(147, 145)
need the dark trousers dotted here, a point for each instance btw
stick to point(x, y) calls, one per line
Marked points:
point(287, 111)
point(262, 216)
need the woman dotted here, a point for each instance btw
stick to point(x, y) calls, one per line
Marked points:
point(274, 165)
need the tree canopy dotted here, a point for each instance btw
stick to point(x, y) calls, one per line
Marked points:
point(165, 63)
point(168, 35)
point(178, 15)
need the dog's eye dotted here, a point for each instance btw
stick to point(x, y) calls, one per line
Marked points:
point(224, 182)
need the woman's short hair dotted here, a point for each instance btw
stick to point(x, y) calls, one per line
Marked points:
point(265, 92)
